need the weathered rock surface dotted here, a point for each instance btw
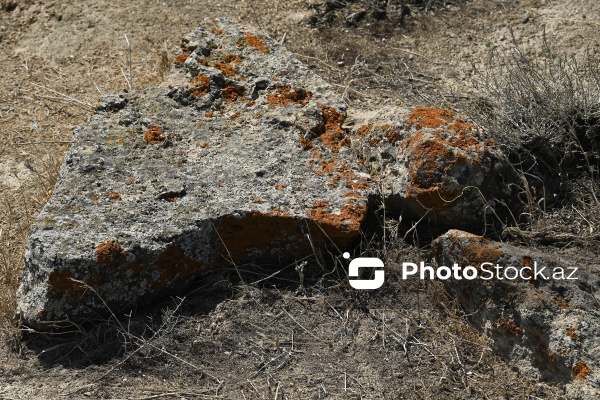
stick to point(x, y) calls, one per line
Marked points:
point(431, 161)
point(548, 328)
point(234, 159)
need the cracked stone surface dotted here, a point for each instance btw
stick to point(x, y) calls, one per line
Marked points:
point(235, 158)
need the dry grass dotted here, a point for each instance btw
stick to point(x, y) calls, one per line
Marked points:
point(18, 209)
point(544, 113)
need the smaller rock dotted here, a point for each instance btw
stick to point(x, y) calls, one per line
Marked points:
point(538, 320)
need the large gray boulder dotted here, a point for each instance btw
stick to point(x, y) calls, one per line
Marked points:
point(238, 157)
point(541, 314)
point(432, 162)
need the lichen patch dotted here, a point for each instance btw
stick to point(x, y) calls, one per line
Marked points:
point(154, 134)
point(201, 86)
point(428, 117)
point(225, 68)
point(180, 59)
point(231, 92)
point(581, 371)
point(254, 41)
point(109, 253)
point(173, 266)
point(332, 135)
point(285, 94)
point(113, 196)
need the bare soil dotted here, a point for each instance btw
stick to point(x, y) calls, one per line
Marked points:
point(254, 337)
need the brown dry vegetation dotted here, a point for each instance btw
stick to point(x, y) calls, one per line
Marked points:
point(233, 339)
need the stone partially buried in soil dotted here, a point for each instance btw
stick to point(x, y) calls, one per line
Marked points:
point(238, 157)
point(538, 320)
point(430, 162)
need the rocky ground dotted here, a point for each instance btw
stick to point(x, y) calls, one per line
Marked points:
point(241, 335)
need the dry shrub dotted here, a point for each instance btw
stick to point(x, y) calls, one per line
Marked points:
point(544, 113)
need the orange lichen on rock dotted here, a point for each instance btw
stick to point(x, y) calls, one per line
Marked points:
point(437, 197)
point(209, 114)
point(581, 371)
point(174, 266)
point(476, 251)
point(339, 172)
point(283, 234)
point(460, 126)
point(180, 59)
point(63, 282)
point(232, 92)
point(433, 158)
point(466, 142)
point(114, 196)
point(364, 130)
point(254, 41)
point(510, 327)
point(327, 166)
point(232, 58)
point(428, 117)
point(426, 181)
point(201, 85)
point(225, 68)
point(330, 132)
point(285, 95)
point(572, 333)
point(216, 31)
point(240, 237)
point(348, 220)
point(561, 303)
point(320, 204)
point(109, 253)
point(352, 181)
point(278, 211)
point(527, 261)
point(154, 134)
point(393, 135)
point(305, 143)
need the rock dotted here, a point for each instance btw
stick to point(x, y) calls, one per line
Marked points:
point(430, 161)
point(236, 158)
point(548, 328)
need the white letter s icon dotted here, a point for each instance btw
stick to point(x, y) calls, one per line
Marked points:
point(366, 262)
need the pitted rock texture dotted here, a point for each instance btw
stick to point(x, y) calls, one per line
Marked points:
point(431, 162)
point(548, 328)
point(236, 158)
